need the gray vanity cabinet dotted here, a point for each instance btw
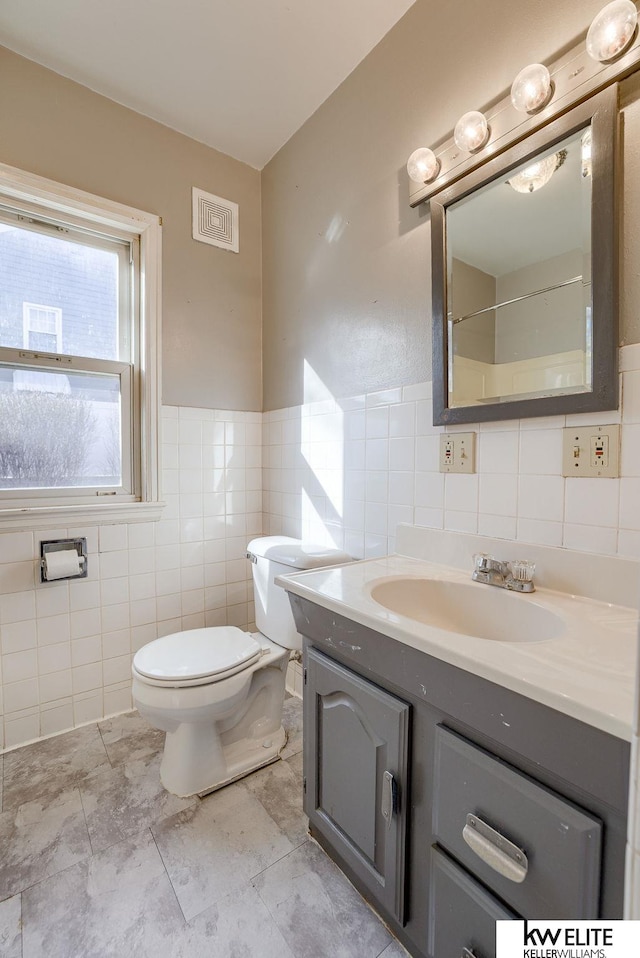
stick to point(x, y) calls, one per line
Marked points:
point(356, 788)
point(456, 747)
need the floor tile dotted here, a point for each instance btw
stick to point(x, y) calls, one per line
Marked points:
point(45, 769)
point(394, 950)
point(295, 763)
point(238, 926)
point(292, 722)
point(122, 905)
point(120, 802)
point(39, 839)
point(129, 737)
point(336, 920)
point(279, 791)
point(218, 845)
point(10, 928)
point(1, 778)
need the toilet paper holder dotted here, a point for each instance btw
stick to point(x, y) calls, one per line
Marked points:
point(79, 546)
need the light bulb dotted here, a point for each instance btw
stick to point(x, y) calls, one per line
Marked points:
point(531, 89)
point(471, 132)
point(423, 165)
point(537, 174)
point(612, 30)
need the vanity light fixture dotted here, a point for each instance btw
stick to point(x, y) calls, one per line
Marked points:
point(532, 88)
point(538, 174)
point(423, 165)
point(612, 30)
point(471, 132)
point(537, 95)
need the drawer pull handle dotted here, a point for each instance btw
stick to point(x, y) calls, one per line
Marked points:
point(466, 953)
point(389, 797)
point(495, 850)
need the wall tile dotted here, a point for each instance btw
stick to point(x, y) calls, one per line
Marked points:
point(498, 451)
point(540, 452)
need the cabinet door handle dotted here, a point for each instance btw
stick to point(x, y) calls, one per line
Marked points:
point(389, 797)
point(467, 953)
point(495, 850)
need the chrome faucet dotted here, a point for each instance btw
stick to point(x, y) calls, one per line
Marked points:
point(517, 576)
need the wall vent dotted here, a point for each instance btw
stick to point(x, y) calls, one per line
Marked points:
point(215, 221)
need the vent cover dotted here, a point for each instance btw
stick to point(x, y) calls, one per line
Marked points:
point(215, 221)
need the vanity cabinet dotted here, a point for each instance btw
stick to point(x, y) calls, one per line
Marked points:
point(356, 787)
point(479, 775)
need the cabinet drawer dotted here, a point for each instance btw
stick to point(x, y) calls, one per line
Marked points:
point(561, 843)
point(462, 914)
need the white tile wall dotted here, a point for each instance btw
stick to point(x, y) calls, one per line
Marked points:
point(347, 472)
point(66, 647)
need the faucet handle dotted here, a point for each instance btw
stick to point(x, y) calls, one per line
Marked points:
point(522, 570)
point(481, 562)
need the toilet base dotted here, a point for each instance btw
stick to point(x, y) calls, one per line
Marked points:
point(218, 765)
point(247, 763)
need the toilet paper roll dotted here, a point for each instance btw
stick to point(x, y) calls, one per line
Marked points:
point(62, 564)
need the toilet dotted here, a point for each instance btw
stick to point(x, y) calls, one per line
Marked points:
point(218, 692)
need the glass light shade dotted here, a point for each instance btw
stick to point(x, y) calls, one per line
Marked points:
point(535, 176)
point(585, 145)
point(471, 132)
point(531, 89)
point(423, 165)
point(612, 30)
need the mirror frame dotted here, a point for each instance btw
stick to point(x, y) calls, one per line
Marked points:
point(602, 111)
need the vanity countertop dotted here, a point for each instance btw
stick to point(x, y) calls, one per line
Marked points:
point(588, 671)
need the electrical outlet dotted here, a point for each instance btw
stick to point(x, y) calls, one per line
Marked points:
point(458, 452)
point(591, 451)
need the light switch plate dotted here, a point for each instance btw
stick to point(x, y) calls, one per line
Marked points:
point(591, 451)
point(458, 452)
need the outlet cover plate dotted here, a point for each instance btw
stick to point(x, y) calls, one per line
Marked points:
point(591, 451)
point(458, 452)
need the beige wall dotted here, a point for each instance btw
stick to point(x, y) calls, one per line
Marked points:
point(212, 298)
point(471, 290)
point(346, 261)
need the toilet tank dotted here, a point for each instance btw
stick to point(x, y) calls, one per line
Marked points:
point(272, 556)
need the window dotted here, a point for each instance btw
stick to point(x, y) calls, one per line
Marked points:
point(41, 325)
point(79, 298)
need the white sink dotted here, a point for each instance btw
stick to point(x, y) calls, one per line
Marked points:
point(482, 611)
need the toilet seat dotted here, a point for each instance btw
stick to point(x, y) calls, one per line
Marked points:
point(196, 657)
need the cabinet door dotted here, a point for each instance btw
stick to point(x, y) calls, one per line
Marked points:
point(356, 750)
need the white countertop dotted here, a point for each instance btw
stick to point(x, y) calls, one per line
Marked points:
point(587, 672)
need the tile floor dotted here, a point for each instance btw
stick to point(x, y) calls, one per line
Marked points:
point(98, 861)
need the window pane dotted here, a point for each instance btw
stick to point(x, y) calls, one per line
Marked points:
point(59, 429)
point(44, 277)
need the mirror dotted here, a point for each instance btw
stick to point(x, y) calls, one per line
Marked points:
point(524, 263)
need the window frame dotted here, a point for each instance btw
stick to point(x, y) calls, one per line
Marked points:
point(140, 380)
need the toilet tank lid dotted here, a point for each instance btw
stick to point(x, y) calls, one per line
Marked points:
point(296, 552)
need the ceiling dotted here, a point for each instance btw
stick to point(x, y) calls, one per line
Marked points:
point(239, 75)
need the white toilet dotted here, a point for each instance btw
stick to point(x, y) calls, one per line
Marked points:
point(218, 692)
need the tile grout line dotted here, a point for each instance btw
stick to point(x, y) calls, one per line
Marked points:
point(157, 847)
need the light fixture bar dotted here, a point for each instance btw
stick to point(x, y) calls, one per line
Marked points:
point(576, 77)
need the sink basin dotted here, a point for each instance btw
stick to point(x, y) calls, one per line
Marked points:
point(468, 608)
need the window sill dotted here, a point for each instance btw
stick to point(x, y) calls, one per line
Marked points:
point(19, 520)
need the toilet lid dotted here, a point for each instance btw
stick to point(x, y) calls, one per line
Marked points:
point(196, 654)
